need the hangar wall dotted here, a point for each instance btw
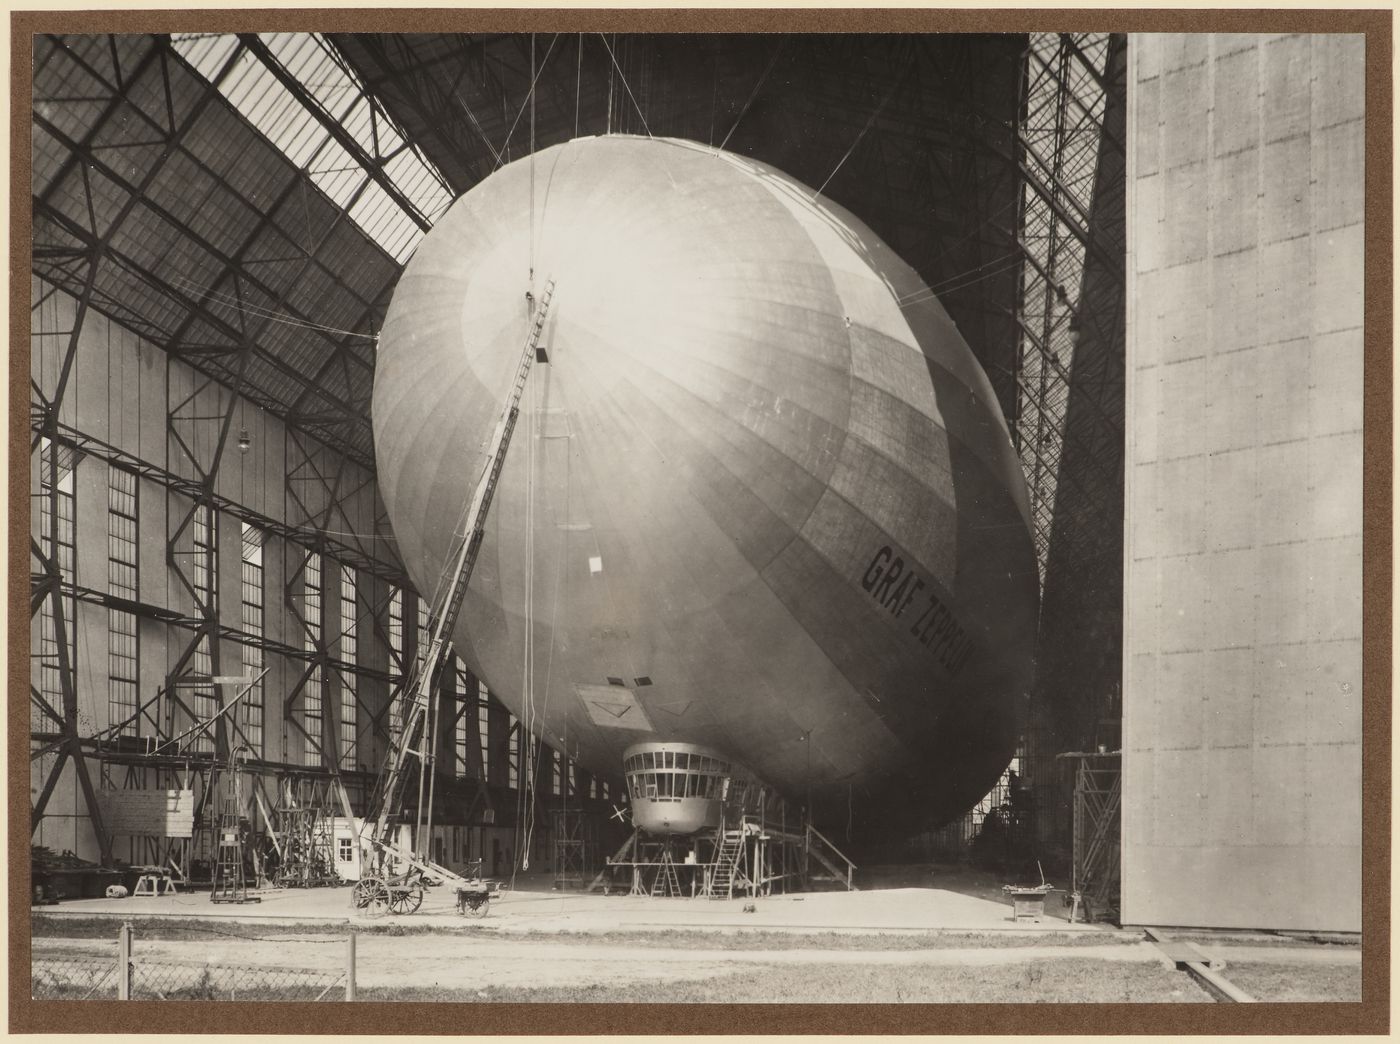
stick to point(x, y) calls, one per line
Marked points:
point(133, 410)
point(123, 389)
point(1242, 630)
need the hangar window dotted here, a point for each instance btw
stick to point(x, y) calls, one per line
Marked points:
point(57, 461)
point(397, 668)
point(251, 592)
point(123, 676)
point(462, 721)
point(349, 652)
point(513, 753)
point(483, 727)
point(203, 701)
point(312, 691)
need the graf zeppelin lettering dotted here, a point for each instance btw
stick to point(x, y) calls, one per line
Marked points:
point(899, 590)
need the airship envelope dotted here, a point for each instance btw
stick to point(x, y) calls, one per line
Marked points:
point(760, 497)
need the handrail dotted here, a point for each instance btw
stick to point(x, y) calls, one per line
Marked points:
point(850, 866)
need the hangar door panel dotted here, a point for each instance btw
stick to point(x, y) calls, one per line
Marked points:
point(1242, 630)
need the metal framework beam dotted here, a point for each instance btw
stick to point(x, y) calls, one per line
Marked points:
point(372, 164)
point(86, 155)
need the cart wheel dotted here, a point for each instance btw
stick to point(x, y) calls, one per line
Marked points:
point(371, 895)
point(481, 908)
point(406, 901)
point(364, 889)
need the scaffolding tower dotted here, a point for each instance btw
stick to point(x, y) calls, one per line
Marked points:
point(304, 831)
point(1098, 784)
point(758, 847)
point(575, 848)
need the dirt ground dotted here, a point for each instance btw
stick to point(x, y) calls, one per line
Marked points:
point(474, 963)
point(1295, 981)
point(394, 962)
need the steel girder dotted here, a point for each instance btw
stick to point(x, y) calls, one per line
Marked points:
point(46, 586)
point(1069, 424)
point(1060, 142)
point(84, 153)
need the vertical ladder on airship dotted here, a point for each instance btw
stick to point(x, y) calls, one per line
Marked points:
point(414, 739)
point(451, 602)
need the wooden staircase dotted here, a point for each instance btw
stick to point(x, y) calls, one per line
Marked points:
point(840, 870)
point(731, 847)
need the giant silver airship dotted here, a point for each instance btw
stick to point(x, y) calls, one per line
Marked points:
point(761, 508)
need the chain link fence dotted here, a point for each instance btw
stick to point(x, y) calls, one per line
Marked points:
point(86, 977)
point(118, 972)
point(157, 980)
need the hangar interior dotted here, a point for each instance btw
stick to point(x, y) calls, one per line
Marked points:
point(219, 222)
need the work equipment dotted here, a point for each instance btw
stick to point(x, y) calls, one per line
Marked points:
point(230, 882)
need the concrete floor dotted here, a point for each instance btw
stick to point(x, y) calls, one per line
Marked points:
point(534, 937)
point(532, 907)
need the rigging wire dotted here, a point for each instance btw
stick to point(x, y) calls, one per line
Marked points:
point(935, 287)
point(578, 84)
point(264, 313)
point(516, 122)
point(525, 792)
point(868, 124)
point(1010, 265)
point(476, 124)
point(752, 94)
point(623, 77)
point(611, 78)
point(530, 286)
point(714, 98)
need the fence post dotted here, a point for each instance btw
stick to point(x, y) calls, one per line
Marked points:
point(124, 961)
point(350, 965)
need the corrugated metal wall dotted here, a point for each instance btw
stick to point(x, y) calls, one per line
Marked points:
point(1242, 701)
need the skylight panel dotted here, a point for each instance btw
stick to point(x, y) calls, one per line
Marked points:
point(297, 130)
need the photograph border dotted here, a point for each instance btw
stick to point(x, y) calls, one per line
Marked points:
point(1370, 1015)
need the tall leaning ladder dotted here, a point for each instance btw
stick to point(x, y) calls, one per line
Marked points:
point(414, 741)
